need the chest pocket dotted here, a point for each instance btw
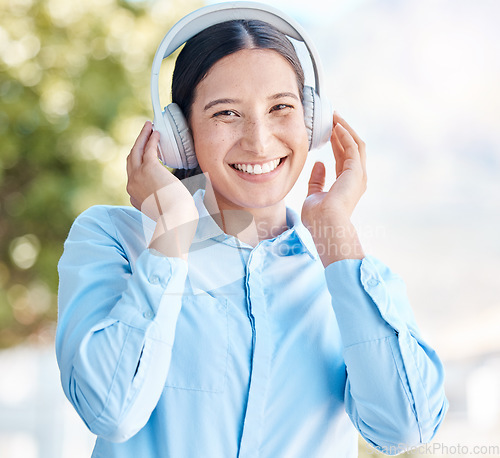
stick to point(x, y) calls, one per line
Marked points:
point(201, 345)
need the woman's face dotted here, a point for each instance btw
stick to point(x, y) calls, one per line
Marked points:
point(248, 128)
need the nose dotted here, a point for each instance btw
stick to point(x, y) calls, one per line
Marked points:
point(256, 136)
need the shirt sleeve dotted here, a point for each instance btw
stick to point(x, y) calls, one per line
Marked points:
point(116, 326)
point(394, 391)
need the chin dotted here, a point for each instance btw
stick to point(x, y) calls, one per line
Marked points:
point(257, 202)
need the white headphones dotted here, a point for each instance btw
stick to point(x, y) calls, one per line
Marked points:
point(176, 143)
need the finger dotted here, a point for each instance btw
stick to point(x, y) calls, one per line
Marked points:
point(347, 141)
point(143, 137)
point(361, 144)
point(151, 148)
point(135, 156)
point(317, 180)
point(338, 152)
point(353, 160)
point(337, 119)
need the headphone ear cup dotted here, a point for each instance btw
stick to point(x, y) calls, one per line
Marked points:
point(180, 138)
point(318, 118)
point(308, 103)
point(167, 148)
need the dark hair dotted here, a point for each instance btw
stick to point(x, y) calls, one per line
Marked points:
point(210, 45)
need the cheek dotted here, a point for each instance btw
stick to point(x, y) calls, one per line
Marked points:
point(210, 154)
point(205, 143)
point(299, 142)
point(298, 135)
point(210, 134)
point(295, 127)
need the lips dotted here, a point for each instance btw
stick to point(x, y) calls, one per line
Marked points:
point(257, 169)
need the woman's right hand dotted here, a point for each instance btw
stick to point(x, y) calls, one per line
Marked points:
point(161, 196)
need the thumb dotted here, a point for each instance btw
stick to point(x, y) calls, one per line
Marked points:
point(317, 180)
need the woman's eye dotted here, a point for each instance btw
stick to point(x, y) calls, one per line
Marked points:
point(280, 107)
point(224, 113)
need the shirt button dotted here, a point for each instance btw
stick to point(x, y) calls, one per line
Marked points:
point(148, 314)
point(154, 279)
point(373, 282)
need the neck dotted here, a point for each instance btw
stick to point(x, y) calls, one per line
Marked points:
point(250, 225)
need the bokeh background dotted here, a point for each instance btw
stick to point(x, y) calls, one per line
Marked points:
point(418, 80)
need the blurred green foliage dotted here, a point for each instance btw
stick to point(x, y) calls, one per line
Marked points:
point(74, 88)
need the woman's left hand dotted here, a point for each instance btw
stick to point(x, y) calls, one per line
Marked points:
point(327, 214)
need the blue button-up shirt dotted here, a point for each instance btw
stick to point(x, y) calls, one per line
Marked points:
point(241, 351)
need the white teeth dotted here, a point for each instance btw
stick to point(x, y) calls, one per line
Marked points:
point(258, 169)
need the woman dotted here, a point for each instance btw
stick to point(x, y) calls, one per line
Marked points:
point(222, 324)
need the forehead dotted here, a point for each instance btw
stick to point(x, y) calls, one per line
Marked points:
point(256, 70)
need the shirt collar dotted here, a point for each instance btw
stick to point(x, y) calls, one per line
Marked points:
point(295, 224)
point(207, 227)
point(297, 233)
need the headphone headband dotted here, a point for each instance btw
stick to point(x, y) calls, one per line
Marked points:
point(210, 15)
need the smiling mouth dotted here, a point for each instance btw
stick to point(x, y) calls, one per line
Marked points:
point(258, 169)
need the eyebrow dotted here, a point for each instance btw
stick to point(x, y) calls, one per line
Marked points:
point(283, 94)
point(218, 101)
point(279, 95)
